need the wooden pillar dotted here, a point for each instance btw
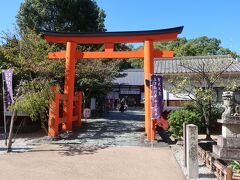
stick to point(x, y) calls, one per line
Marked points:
point(53, 120)
point(109, 47)
point(69, 85)
point(78, 104)
point(148, 70)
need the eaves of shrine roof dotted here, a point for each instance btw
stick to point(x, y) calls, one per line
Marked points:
point(133, 77)
point(192, 64)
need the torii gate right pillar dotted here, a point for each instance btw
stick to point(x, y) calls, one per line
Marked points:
point(148, 70)
point(69, 85)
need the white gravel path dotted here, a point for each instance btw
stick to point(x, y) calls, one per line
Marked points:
point(204, 172)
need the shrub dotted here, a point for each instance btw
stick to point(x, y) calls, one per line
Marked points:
point(216, 113)
point(192, 106)
point(217, 110)
point(177, 118)
point(33, 99)
point(235, 165)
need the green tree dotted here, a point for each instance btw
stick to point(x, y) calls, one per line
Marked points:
point(201, 46)
point(94, 77)
point(178, 117)
point(33, 99)
point(26, 54)
point(199, 85)
point(61, 15)
point(135, 63)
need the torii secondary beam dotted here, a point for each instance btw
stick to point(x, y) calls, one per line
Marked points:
point(110, 54)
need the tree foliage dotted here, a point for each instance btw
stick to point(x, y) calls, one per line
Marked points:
point(178, 117)
point(61, 15)
point(136, 63)
point(33, 99)
point(199, 85)
point(27, 55)
point(26, 51)
point(95, 78)
point(201, 46)
point(235, 165)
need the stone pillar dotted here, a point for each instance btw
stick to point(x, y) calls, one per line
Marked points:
point(185, 143)
point(192, 151)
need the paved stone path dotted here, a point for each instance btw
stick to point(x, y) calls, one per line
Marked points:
point(115, 129)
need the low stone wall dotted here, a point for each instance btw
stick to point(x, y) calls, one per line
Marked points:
point(220, 170)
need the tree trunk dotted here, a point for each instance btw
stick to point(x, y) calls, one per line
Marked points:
point(208, 134)
point(207, 115)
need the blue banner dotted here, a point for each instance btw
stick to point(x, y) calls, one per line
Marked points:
point(156, 96)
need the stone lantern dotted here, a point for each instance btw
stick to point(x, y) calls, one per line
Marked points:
point(228, 144)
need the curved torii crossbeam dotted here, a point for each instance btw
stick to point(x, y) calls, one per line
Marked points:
point(109, 39)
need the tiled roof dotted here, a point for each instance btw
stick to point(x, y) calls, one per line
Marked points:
point(192, 63)
point(178, 65)
point(131, 77)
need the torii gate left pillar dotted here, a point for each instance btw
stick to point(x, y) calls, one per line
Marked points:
point(109, 39)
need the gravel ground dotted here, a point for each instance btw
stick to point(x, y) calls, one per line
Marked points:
point(116, 129)
point(204, 172)
point(21, 143)
point(108, 149)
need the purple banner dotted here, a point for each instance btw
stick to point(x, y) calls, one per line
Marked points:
point(8, 91)
point(156, 96)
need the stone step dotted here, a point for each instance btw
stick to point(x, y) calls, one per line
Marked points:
point(228, 142)
point(231, 130)
point(226, 153)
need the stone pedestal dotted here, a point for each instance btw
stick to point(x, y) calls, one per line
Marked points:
point(228, 145)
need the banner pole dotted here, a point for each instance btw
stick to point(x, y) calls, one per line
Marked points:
point(10, 137)
point(151, 123)
point(4, 110)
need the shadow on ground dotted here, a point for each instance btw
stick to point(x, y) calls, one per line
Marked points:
point(165, 136)
point(71, 149)
point(115, 129)
point(74, 149)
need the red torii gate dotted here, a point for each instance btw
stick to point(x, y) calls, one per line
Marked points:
point(109, 39)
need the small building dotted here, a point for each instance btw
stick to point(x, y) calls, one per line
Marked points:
point(224, 66)
point(130, 84)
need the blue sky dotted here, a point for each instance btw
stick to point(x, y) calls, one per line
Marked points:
point(212, 18)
